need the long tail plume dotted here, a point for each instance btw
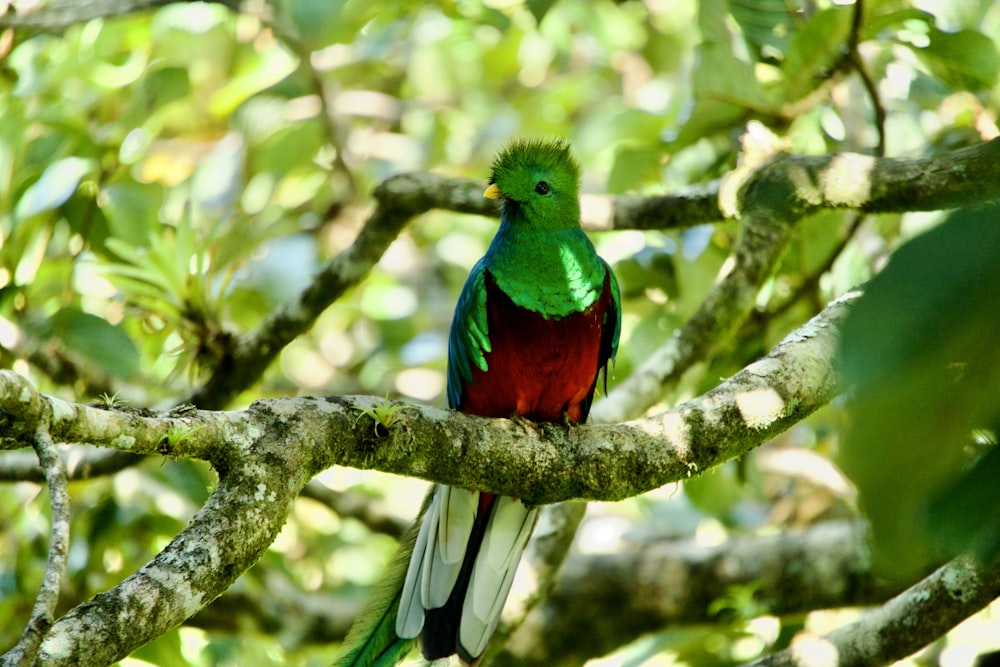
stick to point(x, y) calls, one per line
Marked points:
point(372, 640)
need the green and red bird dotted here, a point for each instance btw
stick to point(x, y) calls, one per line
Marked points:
point(538, 319)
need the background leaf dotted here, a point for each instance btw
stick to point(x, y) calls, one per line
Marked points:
point(96, 341)
point(921, 350)
point(56, 185)
point(539, 8)
point(966, 60)
point(815, 49)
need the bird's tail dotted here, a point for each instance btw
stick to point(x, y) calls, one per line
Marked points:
point(462, 567)
point(372, 640)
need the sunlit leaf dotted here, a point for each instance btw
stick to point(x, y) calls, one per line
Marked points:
point(256, 74)
point(767, 25)
point(56, 185)
point(876, 22)
point(966, 60)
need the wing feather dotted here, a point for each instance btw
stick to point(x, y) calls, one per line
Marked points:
point(612, 328)
point(469, 340)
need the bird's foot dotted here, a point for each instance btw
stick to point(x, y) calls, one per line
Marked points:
point(521, 421)
point(567, 422)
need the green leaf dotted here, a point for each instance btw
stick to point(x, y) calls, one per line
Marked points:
point(965, 60)
point(163, 86)
point(257, 73)
point(651, 267)
point(713, 22)
point(132, 210)
point(97, 341)
point(767, 25)
point(632, 168)
point(164, 650)
point(920, 349)
point(56, 185)
point(966, 515)
point(539, 8)
point(725, 90)
point(875, 23)
point(814, 50)
point(707, 117)
point(723, 76)
point(716, 491)
point(314, 19)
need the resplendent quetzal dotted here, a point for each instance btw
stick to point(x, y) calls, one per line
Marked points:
point(537, 320)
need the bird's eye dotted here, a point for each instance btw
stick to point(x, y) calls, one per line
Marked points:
point(542, 188)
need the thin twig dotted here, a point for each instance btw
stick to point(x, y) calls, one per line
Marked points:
point(80, 463)
point(43, 613)
point(858, 64)
point(807, 288)
point(288, 36)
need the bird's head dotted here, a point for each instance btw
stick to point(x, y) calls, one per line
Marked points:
point(538, 182)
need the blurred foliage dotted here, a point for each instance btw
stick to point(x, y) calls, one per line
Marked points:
point(168, 178)
point(921, 351)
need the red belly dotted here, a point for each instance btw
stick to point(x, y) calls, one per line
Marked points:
point(537, 368)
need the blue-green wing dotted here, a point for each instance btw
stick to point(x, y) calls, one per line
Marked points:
point(469, 339)
point(612, 329)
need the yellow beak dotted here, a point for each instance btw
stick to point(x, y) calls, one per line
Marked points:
point(493, 192)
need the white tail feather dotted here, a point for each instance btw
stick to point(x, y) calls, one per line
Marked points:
point(458, 512)
point(449, 539)
point(410, 617)
point(508, 531)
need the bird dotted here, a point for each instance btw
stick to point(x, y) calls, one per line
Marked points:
point(537, 321)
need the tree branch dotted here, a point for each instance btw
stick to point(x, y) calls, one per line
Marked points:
point(237, 523)
point(658, 584)
point(57, 16)
point(905, 624)
point(80, 463)
point(770, 200)
point(541, 463)
point(266, 454)
point(44, 610)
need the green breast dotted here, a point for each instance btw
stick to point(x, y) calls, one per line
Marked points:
point(554, 273)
